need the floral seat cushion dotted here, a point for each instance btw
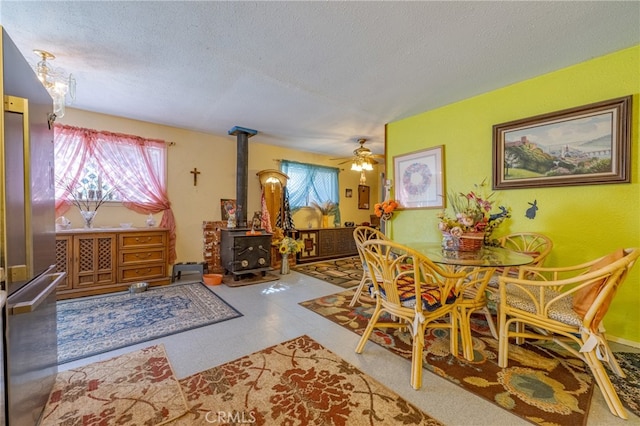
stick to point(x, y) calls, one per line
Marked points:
point(431, 295)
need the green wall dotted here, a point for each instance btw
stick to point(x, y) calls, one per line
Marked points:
point(584, 222)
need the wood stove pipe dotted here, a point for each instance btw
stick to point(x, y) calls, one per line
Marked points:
point(242, 172)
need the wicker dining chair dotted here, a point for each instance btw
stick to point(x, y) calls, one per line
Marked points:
point(360, 235)
point(566, 305)
point(533, 244)
point(416, 292)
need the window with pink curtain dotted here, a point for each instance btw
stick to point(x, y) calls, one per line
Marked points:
point(134, 166)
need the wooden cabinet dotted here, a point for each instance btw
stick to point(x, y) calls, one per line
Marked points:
point(327, 243)
point(142, 256)
point(104, 261)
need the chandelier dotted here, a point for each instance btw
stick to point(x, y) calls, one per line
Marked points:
point(57, 83)
point(359, 164)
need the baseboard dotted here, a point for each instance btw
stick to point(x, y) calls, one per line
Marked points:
point(623, 341)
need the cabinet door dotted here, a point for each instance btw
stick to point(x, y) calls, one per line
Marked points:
point(64, 255)
point(94, 260)
point(310, 241)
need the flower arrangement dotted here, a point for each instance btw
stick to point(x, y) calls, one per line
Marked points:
point(86, 198)
point(385, 209)
point(289, 245)
point(473, 214)
point(326, 208)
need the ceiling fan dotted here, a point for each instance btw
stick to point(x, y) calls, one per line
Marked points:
point(361, 156)
point(363, 159)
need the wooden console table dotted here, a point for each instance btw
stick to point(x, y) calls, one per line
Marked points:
point(108, 260)
point(326, 243)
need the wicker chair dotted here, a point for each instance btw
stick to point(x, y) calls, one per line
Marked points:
point(534, 244)
point(566, 305)
point(362, 234)
point(415, 291)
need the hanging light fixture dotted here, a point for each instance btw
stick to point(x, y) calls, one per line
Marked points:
point(57, 83)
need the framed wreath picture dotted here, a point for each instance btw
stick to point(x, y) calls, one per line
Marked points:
point(419, 179)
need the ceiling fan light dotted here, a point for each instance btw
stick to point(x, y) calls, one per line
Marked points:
point(57, 83)
point(366, 165)
point(356, 167)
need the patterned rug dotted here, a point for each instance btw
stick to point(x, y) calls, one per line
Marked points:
point(538, 385)
point(118, 320)
point(298, 382)
point(138, 388)
point(628, 389)
point(345, 273)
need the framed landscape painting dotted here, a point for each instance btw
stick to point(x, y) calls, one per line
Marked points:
point(419, 179)
point(579, 146)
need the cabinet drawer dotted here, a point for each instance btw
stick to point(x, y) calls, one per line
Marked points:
point(141, 273)
point(133, 257)
point(142, 239)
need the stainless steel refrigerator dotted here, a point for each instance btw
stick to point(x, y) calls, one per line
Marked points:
point(27, 239)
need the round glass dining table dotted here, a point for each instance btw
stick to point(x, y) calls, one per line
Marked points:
point(480, 267)
point(487, 256)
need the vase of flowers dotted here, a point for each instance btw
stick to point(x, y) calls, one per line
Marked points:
point(385, 209)
point(473, 223)
point(87, 198)
point(326, 209)
point(286, 247)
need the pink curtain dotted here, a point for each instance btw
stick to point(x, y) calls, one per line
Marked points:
point(71, 153)
point(133, 165)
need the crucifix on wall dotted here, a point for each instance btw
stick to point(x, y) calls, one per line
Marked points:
point(195, 174)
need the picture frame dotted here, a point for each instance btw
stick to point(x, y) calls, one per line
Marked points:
point(225, 205)
point(419, 179)
point(348, 193)
point(585, 145)
point(363, 197)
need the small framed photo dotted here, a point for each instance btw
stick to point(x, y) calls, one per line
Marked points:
point(348, 193)
point(585, 145)
point(419, 179)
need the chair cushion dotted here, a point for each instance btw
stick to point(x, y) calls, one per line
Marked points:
point(560, 311)
point(584, 298)
point(431, 295)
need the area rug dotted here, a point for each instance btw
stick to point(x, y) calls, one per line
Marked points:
point(138, 388)
point(249, 279)
point(90, 326)
point(345, 273)
point(297, 382)
point(628, 389)
point(538, 385)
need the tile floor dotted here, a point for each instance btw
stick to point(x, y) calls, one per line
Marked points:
point(272, 315)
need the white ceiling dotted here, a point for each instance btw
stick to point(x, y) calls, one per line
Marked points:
point(315, 76)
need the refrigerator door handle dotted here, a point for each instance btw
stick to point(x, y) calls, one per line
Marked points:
point(24, 307)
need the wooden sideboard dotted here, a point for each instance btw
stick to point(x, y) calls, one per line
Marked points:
point(326, 243)
point(107, 260)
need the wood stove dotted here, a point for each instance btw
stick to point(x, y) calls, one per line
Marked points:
point(244, 253)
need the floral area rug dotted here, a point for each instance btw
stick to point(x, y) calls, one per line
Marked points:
point(89, 326)
point(539, 385)
point(297, 382)
point(345, 273)
point(628, 389)
point(138, 388)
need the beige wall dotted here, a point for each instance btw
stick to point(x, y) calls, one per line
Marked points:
point(215, 158)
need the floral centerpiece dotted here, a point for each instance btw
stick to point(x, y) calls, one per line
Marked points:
point(86, 198)
point(290, 245)
point(385, 209)
point(472, 219)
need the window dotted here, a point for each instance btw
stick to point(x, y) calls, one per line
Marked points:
point(310, 183)
point(92, 186)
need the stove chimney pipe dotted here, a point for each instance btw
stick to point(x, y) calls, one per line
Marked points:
point(242, 172)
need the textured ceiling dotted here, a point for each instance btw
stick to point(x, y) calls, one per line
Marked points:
point(314, 76)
